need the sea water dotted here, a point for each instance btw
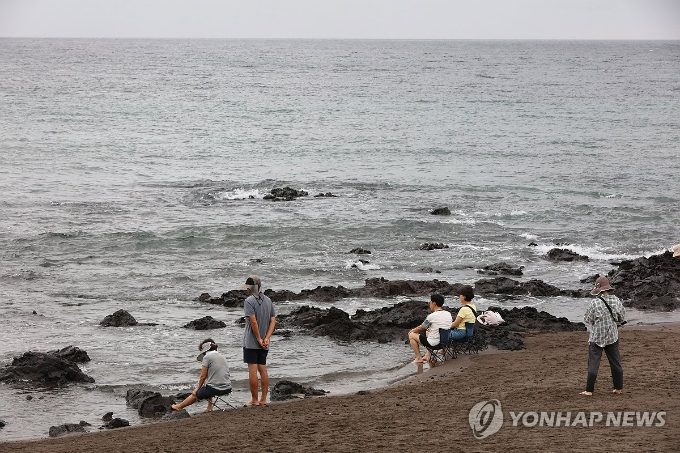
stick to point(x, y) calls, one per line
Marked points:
point(132, 175)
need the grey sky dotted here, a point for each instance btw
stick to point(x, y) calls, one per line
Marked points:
point(413, 19)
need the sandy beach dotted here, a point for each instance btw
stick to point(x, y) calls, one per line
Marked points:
point(430, 411)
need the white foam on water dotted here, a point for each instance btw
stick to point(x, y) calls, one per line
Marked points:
point(239, 194)
point(594, 252)
point(465, 221)
point(361, 266)
point(531, 237)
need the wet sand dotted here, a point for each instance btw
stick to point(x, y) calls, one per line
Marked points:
point(430, 411)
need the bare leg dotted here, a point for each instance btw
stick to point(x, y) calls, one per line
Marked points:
point(415, 345)
point(252, 382)
point(264, 378)
point(210, 405)
point(191, 399)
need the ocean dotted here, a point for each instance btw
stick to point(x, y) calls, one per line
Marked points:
point(132, 175)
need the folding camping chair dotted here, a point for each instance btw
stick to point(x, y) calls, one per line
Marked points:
point(437, 357)
point(470, 344)
point(221, 403)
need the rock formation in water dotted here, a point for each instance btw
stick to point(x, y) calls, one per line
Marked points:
point(116, 423)
point(284, 194)
point(441, 211)
point(648, 283)
point(501, 268)
point(120, 318)
point(205, 323)
point(48, 369)
point(149, 403)
point(66, 428)
point(433, 246)
point(382, 288)
point(394, 322)
point(558, 254)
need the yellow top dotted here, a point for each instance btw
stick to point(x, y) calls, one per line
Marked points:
point(466, 314)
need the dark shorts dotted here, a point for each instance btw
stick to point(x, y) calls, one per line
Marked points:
point(258, 356)
point(423, 340)
point(206, 392)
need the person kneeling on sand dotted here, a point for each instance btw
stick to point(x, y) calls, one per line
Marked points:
point(427, 334)
point(214, 380)
point(602, 316)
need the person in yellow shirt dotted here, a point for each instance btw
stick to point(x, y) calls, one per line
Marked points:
point(467, 313)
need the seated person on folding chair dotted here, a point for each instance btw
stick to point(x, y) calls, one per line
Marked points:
point(427, 334)
point(214, 380)
point(465, 314)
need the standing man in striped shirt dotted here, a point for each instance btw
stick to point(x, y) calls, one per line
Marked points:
point(602, 316)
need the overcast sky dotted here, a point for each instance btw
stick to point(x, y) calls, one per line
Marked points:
point(413, 19)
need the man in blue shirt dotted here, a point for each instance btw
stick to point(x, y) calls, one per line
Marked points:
point(260, 324)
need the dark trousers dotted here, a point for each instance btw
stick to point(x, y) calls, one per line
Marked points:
point(594, 356)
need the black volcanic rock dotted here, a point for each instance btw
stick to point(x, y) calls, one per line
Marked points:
point(66, 428)
point(360, 251)
point(509, 336)
point(234, 298)
point(381, 288)
point(325, 293)
point(405, 315)
point(530, 319)
point(282, 295)
point(327, 195)
point(501, 268)
point(72, 354)
point(284, 194)
point(116, 423)
point(557, 254)
point(149, 403)
point(648, 283)
point(508, 286)
point(433, 246)
point(205, 323)
point(135, 397)
point(43, 369)
point(441, 211)
point(120, 318)
point(287, 390)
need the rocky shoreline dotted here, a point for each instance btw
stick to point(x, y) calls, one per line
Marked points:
point(644, 283)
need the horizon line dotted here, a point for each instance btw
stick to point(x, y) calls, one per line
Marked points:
point(336, 39)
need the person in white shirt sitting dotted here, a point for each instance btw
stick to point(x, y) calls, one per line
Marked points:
point(427, 334)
